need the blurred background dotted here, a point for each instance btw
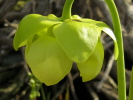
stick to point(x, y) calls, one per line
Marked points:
point(16, 81)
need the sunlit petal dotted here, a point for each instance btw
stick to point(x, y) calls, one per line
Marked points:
point(104, 27)
point(91, 68)
point(77, 39)
point(111, 34)
point(47, 60)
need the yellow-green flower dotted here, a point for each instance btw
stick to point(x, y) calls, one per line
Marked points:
point(53, 44)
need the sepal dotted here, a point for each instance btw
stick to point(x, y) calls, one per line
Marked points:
point(29, 26)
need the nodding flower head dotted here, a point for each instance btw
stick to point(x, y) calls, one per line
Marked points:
point(53, 44)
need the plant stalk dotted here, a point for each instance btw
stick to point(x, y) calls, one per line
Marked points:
point(131, 87)
point(66, 14)
point(120, 60)
point(43, 94)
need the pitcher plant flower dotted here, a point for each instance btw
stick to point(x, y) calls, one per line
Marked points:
point(54, 43)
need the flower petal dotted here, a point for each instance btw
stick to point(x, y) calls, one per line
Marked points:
point(47, 60)
point(91, 68)
point(30, 25)
point(111, 34)
point(77, 39)
point(104, 27)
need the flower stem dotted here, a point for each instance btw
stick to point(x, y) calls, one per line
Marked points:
point(120, 60)
point(131, 87)
point(66, 14)
point(43, 94)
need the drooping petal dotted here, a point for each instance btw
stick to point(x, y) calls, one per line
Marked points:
point(111, 34)
point(47, 60)
point(77, 39)
point(91, 68)
point(104, 27)
point(30, 25)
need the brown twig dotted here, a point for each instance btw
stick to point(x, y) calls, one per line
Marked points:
point(72, 87)
point(106, 74)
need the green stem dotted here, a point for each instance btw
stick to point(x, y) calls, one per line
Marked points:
point(66, 14)
point(120, 60)
point(43, 94)
point(131, 87)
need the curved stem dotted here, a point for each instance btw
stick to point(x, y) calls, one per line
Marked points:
point(120, 60)
point(66, 14)
point(131, 87)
